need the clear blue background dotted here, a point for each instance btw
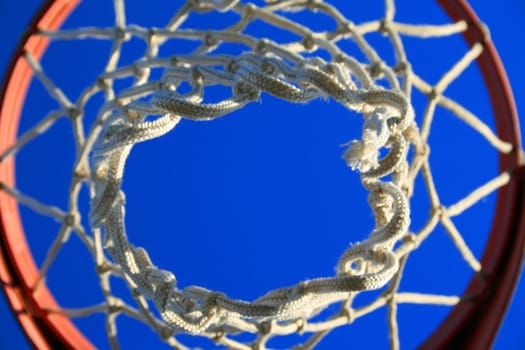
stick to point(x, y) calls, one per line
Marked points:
point(228, 175)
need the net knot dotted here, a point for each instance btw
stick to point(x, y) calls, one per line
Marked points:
point(74, 113)
point(345, 27)
point(121, 34)
point(210, 40)
point(262, 46)
point(309, 43)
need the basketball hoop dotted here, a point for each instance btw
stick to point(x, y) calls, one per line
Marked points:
point(391, 151)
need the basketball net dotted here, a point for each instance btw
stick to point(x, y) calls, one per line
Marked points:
point(295, 71)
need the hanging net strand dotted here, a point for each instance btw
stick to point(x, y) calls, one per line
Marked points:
point(391, 152)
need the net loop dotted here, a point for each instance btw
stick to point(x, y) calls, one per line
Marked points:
point(272, 69)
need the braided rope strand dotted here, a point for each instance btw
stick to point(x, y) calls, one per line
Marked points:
point(387, 115)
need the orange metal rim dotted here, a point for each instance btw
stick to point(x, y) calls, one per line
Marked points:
point(471, 324)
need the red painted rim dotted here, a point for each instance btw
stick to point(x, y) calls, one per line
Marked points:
point(18, 271)
point(471, 324)
point(474, 324)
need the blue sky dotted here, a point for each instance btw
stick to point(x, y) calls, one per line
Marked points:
point(264, 204)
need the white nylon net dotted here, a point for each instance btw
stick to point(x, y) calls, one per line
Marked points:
point(311, 66)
